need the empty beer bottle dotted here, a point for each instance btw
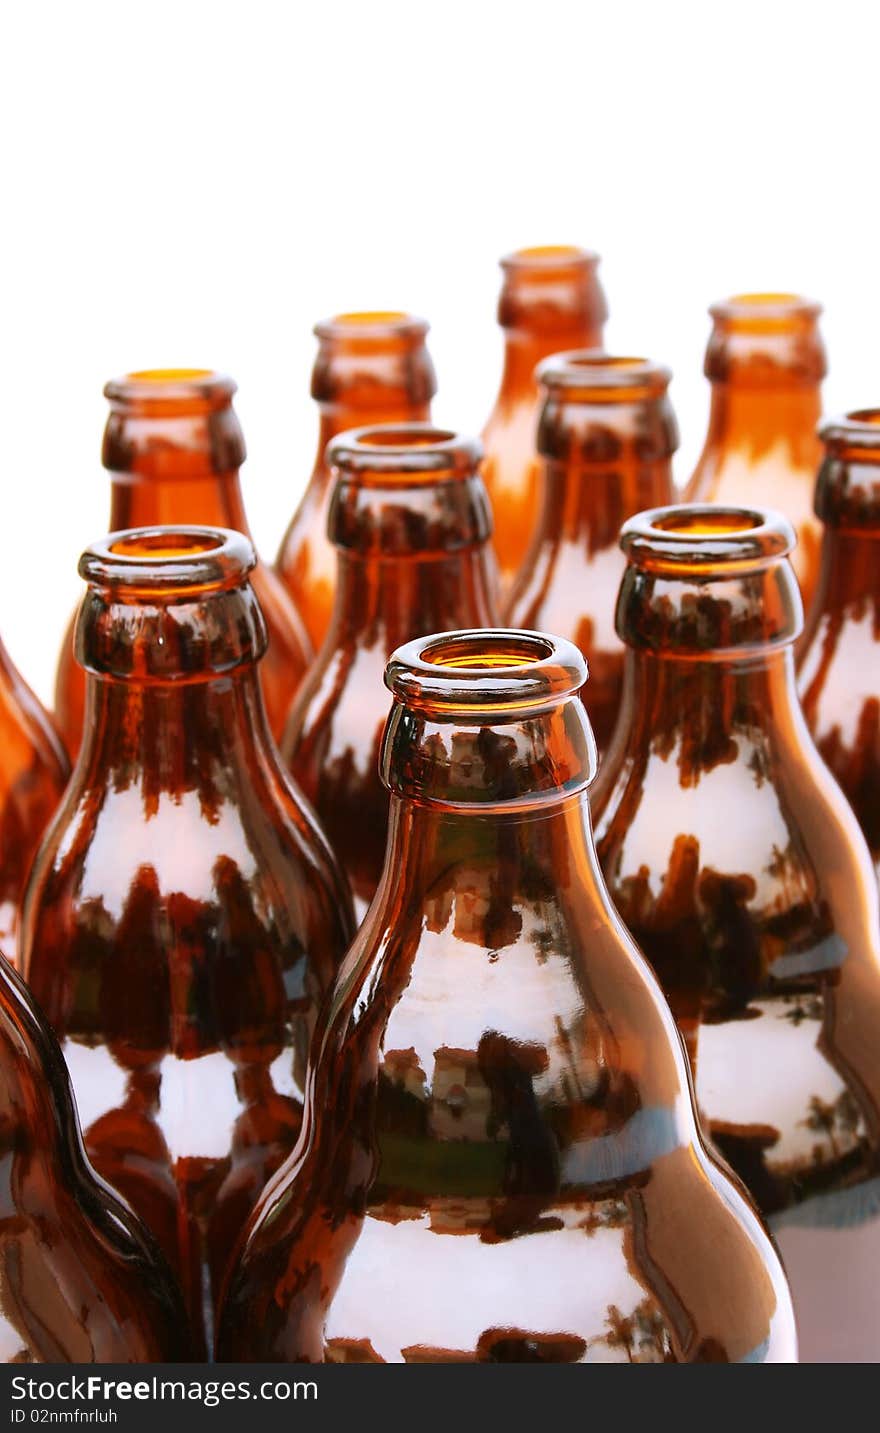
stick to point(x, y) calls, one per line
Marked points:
point(410, 523)
point(551, 299)
point(80, 1281)
point(738, 866)
point(184, 914)
point(839, 657)
point(33, 774)
point(500, 1160)
point(606, 436)
point(765, 362)
point(173, 446)
point(370, 368)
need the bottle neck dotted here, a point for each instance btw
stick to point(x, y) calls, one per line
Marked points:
point(586, 503)
point(755, 421)
point(850, 570)
point(336, 418)
point(214, 499)
point(386, 600)
point(524, 350)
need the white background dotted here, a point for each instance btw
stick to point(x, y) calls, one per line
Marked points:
point(195, 183)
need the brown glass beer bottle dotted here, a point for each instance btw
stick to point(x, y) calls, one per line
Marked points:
point(765, 362)
point(551, 300)
point(184, 914)
point(839, 656)
point(80, 1281)
point(33, 774)
point(500, 1160)
point(370, 368)
point(606, 436)
point(410, 523)
point(738, 866)
point(173, 446)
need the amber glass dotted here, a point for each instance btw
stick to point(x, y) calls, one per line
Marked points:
point(80, 1281)
point(766, 361)
point(551, 300)
point(410, 523)
point(370, 368)
point(606, 436)
point(738, 866)
point(839, 656)
point(33, 774)
point(184, 914)
point(499, 1160)
point(173, 446)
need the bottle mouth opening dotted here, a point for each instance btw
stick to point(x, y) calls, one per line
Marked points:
point(590, 370)
point(859, 429)
point(183, 388)
point(371, 326)
point(154, 560)
point(410, 450)
point(760, 311)
point(484, 670)
point(696, 535)
point(549, 258)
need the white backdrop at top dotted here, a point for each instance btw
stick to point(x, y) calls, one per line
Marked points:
point(195, 182)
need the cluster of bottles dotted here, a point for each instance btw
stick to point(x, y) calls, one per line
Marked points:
point(367, 1029)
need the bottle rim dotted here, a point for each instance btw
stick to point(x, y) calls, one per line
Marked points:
point(486, 670)
point(167, 561)
point(413, 450)
point(859, 428)
point(760, 312)
point(605, 375)
point(186, 388)
point(547, 259)
point(706, 536)
point(371, 326)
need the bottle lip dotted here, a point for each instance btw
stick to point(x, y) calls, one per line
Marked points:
point(549, 259)
point(706, 537)
point(857, 429)
point(496, 672)
point(410, 450)
point(603, 376)
point(764, 312)
point(371, 326)
point(186, 389)
point(168, 561)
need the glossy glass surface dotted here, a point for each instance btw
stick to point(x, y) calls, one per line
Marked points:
point(499, 1159)
point(410, 524)
point(184, 915)
point(738, 866)
point(551, 299)
point(33, 773)
point(766, 361)
point(173, 446)
point(839, 656)
point(80, 1282)
point(606, 436)
point(370, 368)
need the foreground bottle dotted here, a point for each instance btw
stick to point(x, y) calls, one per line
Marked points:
point(500, 1160)
point(80, 1282)
point(411, 526)
point(173, 446)
point(370, 368)
point(738, 866)
point(184, 915)
point(766, 361)
point(33, 774)
point(839, 657)
point(551, 299)
point(606, 436)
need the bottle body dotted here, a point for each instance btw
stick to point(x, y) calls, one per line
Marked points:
point(551, 300)
point(370, 368)
point(173, 447)
point(736, 864)
point(499, 1126)
point(839, 657)
point(411, 526)
point(766, 362)
point(80, 1282)
point(184, 915)
point(33, 774)
point(606, 436)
